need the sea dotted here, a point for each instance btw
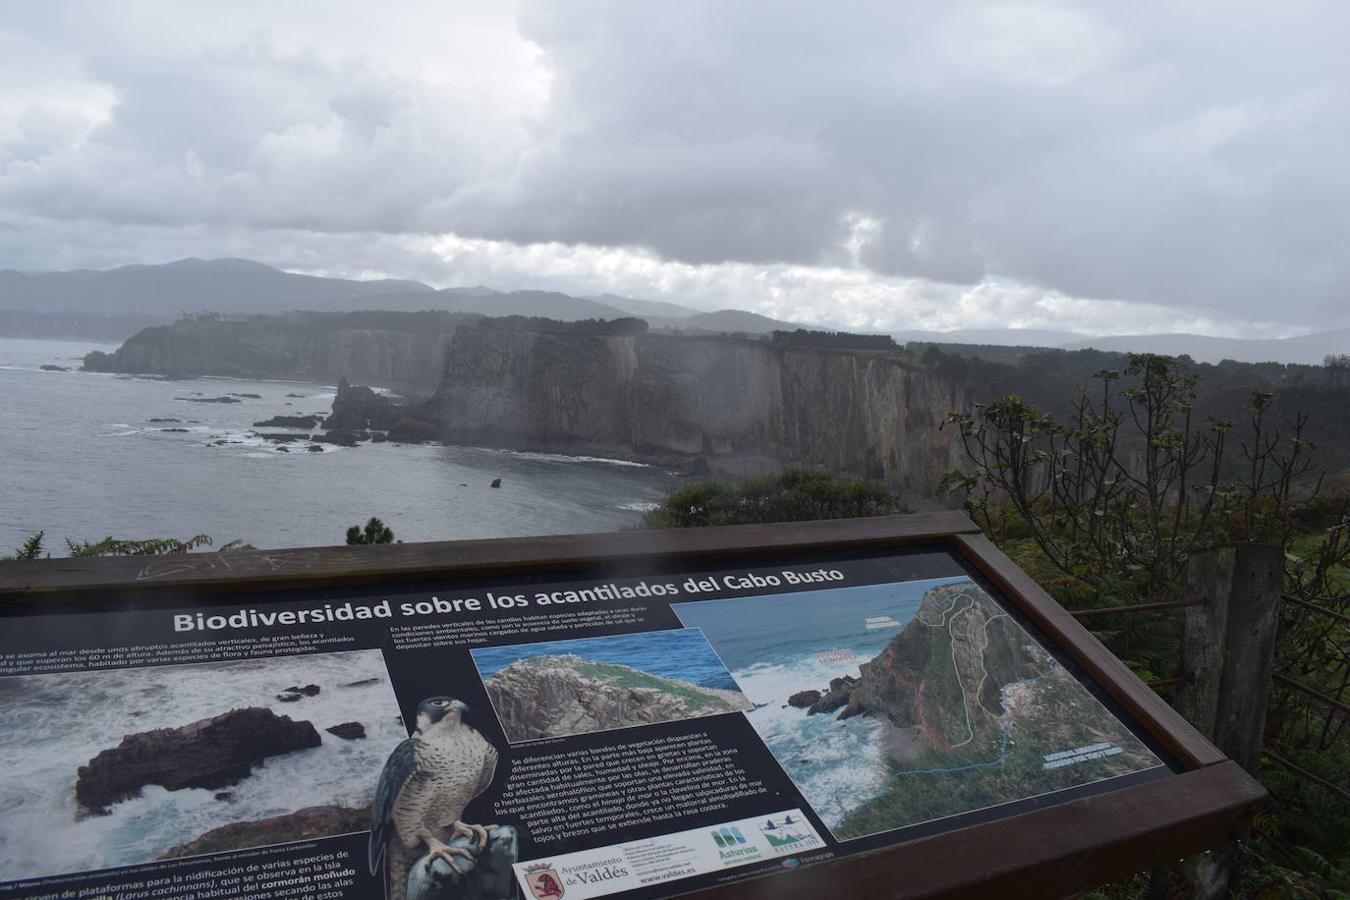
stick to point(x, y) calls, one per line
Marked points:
point(81, 459)
point(780, 644)
point(682, 654)
point(52, 724)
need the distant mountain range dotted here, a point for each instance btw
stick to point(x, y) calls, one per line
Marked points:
point(190, 285)
point(994, 337)
point(160, 292)
point(94, 303)
point(1309, 349)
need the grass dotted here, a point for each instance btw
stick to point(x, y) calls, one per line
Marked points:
point(628, 677)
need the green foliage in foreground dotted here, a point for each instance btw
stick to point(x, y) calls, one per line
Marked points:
point(31, 549)
point(1106, 507)
point(111, 546)
point(797, 495)
point(375, 532)
point(34, 548)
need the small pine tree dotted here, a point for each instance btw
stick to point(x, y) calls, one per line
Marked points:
point(375, 532)
point(31, 549)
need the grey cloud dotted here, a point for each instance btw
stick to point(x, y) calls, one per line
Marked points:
point(1184, 155)
point(1186, 158)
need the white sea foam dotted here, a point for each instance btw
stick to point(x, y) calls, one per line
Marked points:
point(52, 724)
point(559, 457)
point(639, 506)
point(836, 765)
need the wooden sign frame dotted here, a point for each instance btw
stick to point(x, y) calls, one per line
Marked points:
point(1053, 851)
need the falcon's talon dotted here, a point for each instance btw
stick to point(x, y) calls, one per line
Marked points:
point(437, 850)
point(478, 832)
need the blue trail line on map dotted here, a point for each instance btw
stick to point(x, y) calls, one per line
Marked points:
point(1002, 746)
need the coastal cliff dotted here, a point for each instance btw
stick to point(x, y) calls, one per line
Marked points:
point(743, 406)
point(748, 406)
point(550, 696)
point(404, 351)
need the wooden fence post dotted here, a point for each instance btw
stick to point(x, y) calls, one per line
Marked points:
point(1209, 578)
point(1228, 646)
point(1227, 659)
point(1249, 664)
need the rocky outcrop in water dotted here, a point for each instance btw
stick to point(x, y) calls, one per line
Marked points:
point(210, 753)
point(549, 696)
point(306, 824)
point(357, 408)
point(348, 731)
point(837, 696)
point(289, 422)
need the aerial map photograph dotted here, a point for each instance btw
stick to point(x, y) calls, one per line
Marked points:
point(895, 704)
point(578, 686)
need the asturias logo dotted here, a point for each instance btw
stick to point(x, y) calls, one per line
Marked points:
point(732, 845)
point(728, 837)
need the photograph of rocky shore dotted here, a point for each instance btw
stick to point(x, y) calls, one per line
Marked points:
point(560, 688)
point(895, 704)
point(112, 768)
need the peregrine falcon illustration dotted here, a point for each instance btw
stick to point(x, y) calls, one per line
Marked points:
point(427, 782)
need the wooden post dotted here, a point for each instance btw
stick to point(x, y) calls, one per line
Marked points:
point(1209, 578)
point(1228, 658)
point(1228, 646)
point(1249, 663)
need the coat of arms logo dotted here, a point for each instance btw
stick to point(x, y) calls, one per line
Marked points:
point(544, 881)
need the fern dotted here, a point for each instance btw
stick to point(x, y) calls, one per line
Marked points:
point(111, 546)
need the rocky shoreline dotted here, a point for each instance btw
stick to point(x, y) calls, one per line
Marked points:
point(210, 753)
point(302, 825)
point(362, 415)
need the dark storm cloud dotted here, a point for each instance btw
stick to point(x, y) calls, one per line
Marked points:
point(1183, 154)
point(1187, 155)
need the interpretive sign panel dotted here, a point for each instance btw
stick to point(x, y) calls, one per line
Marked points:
point(641, 715)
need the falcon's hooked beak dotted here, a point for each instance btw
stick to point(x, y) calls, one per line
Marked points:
point(455, 714)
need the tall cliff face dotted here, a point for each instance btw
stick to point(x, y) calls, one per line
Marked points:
point(398, 350)
point(747, 405)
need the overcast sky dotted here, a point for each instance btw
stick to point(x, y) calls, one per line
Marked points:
point(1095, 167)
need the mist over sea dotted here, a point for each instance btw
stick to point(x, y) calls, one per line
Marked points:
point(82, 460)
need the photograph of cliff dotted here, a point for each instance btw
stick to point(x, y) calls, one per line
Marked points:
point(895, 704)
point(559, 688)
point(128, 766)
